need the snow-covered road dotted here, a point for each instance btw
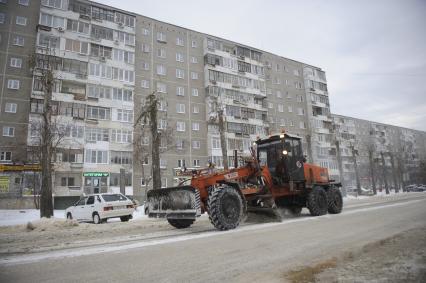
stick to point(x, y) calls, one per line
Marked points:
point(249, 253)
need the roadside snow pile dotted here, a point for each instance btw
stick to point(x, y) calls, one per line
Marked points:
point(49, 224)
point(9, 217)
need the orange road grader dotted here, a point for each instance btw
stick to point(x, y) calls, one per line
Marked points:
point(276, 176)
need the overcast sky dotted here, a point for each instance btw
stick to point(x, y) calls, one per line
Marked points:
point(373, 52)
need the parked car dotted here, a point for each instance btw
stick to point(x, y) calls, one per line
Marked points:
point(410, 188)
point(100, 207)
point(420, 188)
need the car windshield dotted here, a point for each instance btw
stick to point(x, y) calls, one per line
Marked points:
point(114, 197)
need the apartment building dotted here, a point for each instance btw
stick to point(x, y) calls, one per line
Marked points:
point(106, 61)
point(389, 153)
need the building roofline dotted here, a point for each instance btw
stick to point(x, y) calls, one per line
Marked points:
point(379, 123)
point(206, 34)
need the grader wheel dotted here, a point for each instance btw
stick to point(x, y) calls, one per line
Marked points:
point(225, 207)
point(317, 202)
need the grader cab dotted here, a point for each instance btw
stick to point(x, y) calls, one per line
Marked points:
point(276, 176)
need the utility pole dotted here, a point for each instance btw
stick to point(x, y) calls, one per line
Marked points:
point(372, 171)
point(384, 172)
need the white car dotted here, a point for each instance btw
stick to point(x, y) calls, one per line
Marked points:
point(99, 207)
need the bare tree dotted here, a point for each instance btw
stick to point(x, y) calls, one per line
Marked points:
point(217, 118)
point(384, 172)
point(162, 139)
point(372, 169)
point(51, 131)
point(354, 154)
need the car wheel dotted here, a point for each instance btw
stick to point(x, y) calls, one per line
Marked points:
point(69, 216)
point(96, 218)
point(125, 218)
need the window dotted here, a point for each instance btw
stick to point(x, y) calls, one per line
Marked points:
point(180, 126)
point(18, 40)
point(282, 122)
point(124, 56)
point(179, 144)
point(13, 84)
point(194, 60)
point(121, 157)
point(196, 144)
point(196, 163)
point(290, 109)
point(300, 111)
point(99, 32)
point(280, 108)
point(179, 41)
point(161, 87)
point(215, 143)
point(161, 52)
point(98, 113)
point(296, 73)
point(163, 163)
point(8, 131)
point(162, 124)
point(194, 92)
point(161, 37)
point(161, 70)
point(102, 14)
point(6, 156)
point(194, 44)
point(10, 107)
point(194, 75)
point(48, 41)
point(299, 98)
point(60, 4)
point(270, 105)
point(96, 156)
point(16, 62)
point(181, 163)
point(146, 48)
point(143, 182)
point(145, 31)
point(77, 26)
point(145, 65)
point(145, 84)
point(22, 21)
point(122, 94)
point(195, 126)
point(180, 108)
point(97, 91)
point(195, 109)
point(125, 115)
point(69, 182)
point(97, 134)
point(180, 91)
point(298, 85)
point(162, 105)
point(123, 19)
point(24, 2)
point(76, 46)
point(52, 21)
point(2, 18)
point(164, 182)
point(179, 57)
point(180, 74)
point(302, 125)
point(121, 136)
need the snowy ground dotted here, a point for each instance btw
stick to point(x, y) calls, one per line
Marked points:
point(9, 217)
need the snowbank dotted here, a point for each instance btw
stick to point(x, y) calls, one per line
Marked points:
point(10, 217)
point(48, 224)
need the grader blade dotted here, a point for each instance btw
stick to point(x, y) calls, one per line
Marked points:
point(174, 203)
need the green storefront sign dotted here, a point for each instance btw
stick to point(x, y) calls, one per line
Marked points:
point(95, 174)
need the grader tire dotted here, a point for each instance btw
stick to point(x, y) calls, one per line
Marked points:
point(225, 207)
point(317, 202)
point(181, 223)
point(335, 200)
